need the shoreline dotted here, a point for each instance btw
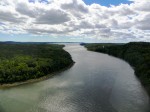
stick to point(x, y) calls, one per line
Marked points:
point(3, 86)
point(146, 87)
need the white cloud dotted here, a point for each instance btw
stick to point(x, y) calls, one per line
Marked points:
point(52, 16)
point(75, 18)
point(26, 9)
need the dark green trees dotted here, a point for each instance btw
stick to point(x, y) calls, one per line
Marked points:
point(20, 62)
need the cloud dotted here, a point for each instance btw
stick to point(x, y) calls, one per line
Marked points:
point(75, 5)
point(52, 16)
point(75, 18)
point(8, 15)
point(26, 9)
point(143, 24)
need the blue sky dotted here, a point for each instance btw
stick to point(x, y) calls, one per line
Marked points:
point(74, 20)
point(107, 2)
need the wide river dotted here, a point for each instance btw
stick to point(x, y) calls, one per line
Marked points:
point(95, 83)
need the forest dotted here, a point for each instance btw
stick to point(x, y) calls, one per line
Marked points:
point(137, 54)
point(21, 62)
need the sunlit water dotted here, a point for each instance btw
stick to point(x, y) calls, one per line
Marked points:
point(96, 83)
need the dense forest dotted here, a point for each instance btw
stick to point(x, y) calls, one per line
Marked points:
point(21, 62)
point(136, 53)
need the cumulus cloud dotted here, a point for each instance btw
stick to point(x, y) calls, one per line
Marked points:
point(52, 16)
point(75, 6)
point(75, 18)
point(26, 9)
point(8, 14)
point(10, 17)
point(144, 23)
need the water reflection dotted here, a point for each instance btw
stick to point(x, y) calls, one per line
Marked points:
point(96, 83)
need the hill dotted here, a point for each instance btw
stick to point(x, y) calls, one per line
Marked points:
point(22, 62)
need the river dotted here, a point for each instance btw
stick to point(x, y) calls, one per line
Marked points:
point(95, 83)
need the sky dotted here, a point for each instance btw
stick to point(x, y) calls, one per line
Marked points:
point(91, 21)
point(107, 2)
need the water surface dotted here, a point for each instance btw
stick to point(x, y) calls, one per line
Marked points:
point(96, 83)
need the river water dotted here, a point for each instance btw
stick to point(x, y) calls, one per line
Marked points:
point(96, 83)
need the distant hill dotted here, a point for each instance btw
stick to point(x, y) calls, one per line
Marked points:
point(13, 42)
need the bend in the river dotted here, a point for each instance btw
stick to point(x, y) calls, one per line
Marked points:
point(96, 83)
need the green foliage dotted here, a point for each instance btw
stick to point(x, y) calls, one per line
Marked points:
point(20, 62)
point(136, 53)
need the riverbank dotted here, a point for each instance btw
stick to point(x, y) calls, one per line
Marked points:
point(24, 62)
point(3, 86)
point(95, 83)
point(137, 54)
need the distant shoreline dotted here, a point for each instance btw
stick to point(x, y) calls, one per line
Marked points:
point(3, 86)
